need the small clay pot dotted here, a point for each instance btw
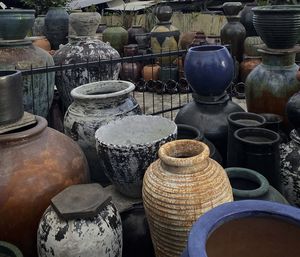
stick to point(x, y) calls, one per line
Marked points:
point(151, 72)
point(42, 42)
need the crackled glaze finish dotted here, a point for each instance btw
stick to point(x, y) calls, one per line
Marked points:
point(290, 169)
point(100, 236)
point(178, 188)
point(128, 146)
point(84, 50)
point(95, 105)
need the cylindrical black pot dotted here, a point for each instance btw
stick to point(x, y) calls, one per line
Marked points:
point(11, 96)
point(236, 121)
point(190, 132)
point(248, 184)
point(274, 122)
point(136, 234)
point(258, 149)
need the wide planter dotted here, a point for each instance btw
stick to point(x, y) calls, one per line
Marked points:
point(89, 227)
point(84, 23)
point(258, 149)
point(129, 145)
point(15, 23)
point(246, 228)
point(84, 50)
point(117, 36)
point(47, 162)
point(38, 89)
point(9, 250)
point(11, 95)
point(277, 25)
point(180, 186)
point(57, 26)
point(94, 105)
point(212, 66)
point(248, 184)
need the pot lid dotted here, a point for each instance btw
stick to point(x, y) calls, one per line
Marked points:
point(80, 201)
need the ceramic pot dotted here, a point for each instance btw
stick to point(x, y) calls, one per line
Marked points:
point(248, 184)
point(38, 89)
point(84, 23)
point(151, 72)
point(258, 149)
point(251, 46)
point(168, 73)
point(247, 19)
point(273, 122)
point(213, 40)
point(131, 50)
point(180, 186)
point(133, 31)
point(272, 230)
point(91, 227)
point(163, 12)
point(210, 117)
point(56, 26)
point(38, 28)
point(199, 39)
point(277, 25)
point(232, 8)
point(127, 155)
point(248, 65)
point(131, 71)
point(143, 40)
point(183, 86)
point(94, 105)
point(136, 234)
point(52, 161)
point(237, 120)
point(9, 250)
point(101, 28)
point(82, 50)
point(234, 34)
point(293, 111)
point(15, 23)
point(11, 95)
point(202, 63)
point(41, 42)
point(117, 37)
point(272, 83)
point(186, 38)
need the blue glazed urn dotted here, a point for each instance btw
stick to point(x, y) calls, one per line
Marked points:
point(250, 228)
point(209, 69)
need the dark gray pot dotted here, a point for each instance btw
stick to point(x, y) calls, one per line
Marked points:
point(128, 146)
point(11, 96)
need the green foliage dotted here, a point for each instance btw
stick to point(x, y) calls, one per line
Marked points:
point(42, 6)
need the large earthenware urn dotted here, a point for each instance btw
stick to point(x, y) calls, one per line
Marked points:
point(37, 162)
point(178, 188)
point(94, 105)
point(129, 145)
point(82, 221)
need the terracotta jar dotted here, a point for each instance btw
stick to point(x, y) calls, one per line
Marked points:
point(151, 72)
point(41, 42)
point(39, 163)
point(247, 65)
point(180, 186)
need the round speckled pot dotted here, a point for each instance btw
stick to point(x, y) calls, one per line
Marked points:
point(94, 105)
point(128, 146)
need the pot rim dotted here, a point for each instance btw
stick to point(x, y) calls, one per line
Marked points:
point(250, 175)
point(199, 135)
point(7, 74)
point(11, 248)
point(17, 10)
point(227, 212)
point(40, 125)
point(265, 132)
point(207, 48)
point(177, 147)
point(81, 91)
point(277, 118)
point(234, 116)
point(270, 9)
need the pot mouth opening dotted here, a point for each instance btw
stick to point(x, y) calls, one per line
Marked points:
point(207, 48)
point(102, 89)
point(257, 136)
point(4, 74)
point(246, 119)
point(188, 132)
point(183, 152)
point(271, 118)
point(9, 250)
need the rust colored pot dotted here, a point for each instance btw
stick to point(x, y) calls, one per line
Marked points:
point(131, 71)
point(247, 65)
point(186, 38)
point(41, 42)
point(151, 72)
point(178, 188)
point(36, 164)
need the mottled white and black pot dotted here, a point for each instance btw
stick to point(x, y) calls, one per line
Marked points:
point(62, 233)
point(129, 145)
point(94, 105)
point(84, 50)
point(290, 169)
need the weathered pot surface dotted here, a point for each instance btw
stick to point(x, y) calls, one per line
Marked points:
point(85, 23)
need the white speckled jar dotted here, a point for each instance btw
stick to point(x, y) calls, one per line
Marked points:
point(94, 105)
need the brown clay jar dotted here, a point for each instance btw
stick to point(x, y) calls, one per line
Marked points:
point(36, 164)
point(247, 65)
point(41, 42)
point(151, 72)
point(178, 188)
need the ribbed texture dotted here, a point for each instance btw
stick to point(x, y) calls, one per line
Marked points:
point(173, 201)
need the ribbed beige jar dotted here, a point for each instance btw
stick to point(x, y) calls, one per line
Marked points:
point(178, 188)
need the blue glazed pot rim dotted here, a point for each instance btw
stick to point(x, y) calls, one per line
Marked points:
point(214, 218)
point(207, 48)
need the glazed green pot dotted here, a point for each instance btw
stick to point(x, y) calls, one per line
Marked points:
point(9, 250)
point(117, 37)
point(15, 23)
